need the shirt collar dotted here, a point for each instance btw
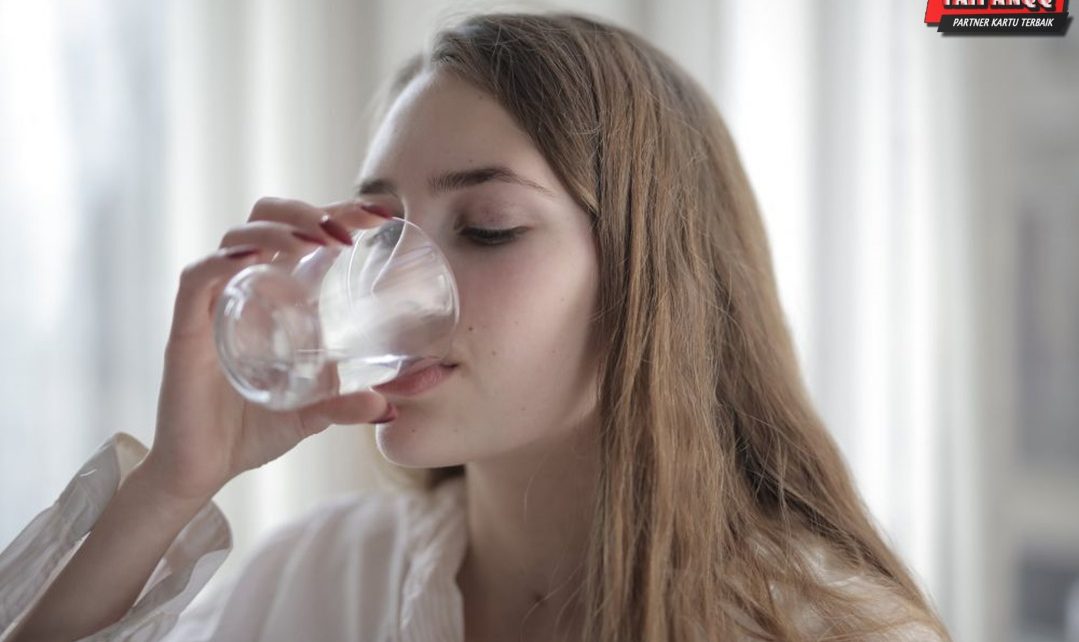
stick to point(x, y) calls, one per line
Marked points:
point(431, 602)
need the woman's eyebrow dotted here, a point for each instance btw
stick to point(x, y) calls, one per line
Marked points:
point(455, 180)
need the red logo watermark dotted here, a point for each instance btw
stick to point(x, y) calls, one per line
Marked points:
point(998, 17)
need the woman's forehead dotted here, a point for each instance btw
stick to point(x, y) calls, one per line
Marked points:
point(442, 106)
point(441, 123)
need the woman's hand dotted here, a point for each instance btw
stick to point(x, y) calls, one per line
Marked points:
point(206, 432)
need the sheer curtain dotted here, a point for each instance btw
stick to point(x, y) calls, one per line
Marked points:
point(135, 134)
point(85, 293)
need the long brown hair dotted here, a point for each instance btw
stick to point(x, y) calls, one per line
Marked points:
point(723, 502)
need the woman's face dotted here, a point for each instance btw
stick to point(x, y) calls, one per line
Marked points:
point(526, 370)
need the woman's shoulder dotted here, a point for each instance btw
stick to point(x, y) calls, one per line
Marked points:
point(874, 597)
point(361, 541)
point(371, 518)
point(863, 592)
point(340, 562)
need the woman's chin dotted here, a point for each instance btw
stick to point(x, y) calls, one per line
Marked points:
point(411, 446)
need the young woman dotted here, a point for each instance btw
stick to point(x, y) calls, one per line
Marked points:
point(619, 446)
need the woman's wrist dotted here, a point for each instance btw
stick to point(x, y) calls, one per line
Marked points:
point(146, 484)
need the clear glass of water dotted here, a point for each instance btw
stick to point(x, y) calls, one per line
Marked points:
point(339, 320)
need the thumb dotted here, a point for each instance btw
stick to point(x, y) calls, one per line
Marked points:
point(364, 407)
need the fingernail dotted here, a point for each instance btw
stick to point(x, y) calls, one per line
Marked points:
point(336, 230)
point(391, 414)
point(241, 252)
point(304, 236)
point(377, 210)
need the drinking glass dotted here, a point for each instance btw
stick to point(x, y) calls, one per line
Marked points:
point(339, 320)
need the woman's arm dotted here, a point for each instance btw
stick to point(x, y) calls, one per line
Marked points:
point(206, 433)
point(113, 563)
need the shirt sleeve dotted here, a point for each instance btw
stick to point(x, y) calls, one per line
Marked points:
point(36, 556)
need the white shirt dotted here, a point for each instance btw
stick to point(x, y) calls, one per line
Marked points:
point(371, 566)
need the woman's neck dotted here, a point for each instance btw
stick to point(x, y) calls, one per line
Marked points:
point(529, 520)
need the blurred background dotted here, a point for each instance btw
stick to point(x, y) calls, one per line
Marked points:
point(921, 193)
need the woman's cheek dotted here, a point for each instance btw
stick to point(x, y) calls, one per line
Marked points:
point(534, 325)
point(497, 283)
point(528, 308)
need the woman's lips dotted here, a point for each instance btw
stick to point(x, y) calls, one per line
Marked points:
point(418, 381)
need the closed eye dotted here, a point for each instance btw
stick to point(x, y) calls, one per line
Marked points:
point(488, 236)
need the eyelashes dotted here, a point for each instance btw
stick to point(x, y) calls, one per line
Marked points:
point(480, 236)
point(483, 236)
point(489, 236)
